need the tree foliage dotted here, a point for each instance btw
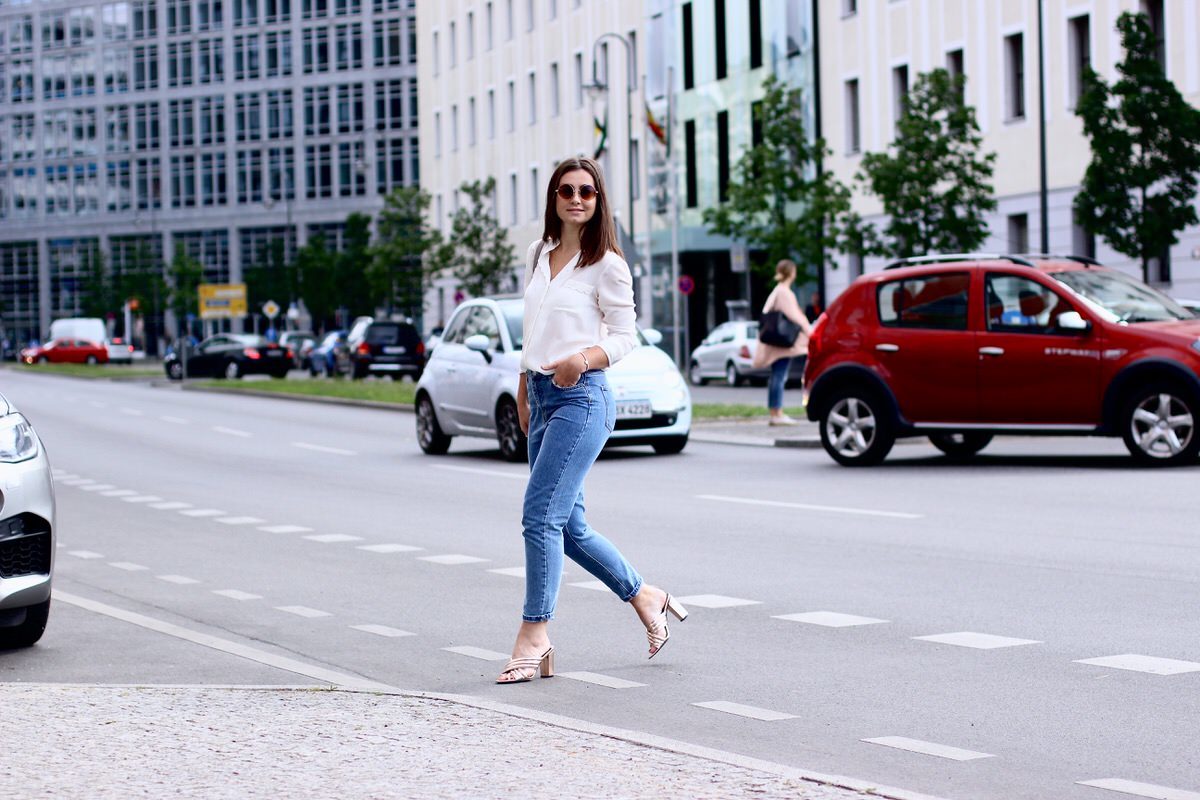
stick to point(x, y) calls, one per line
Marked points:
point(933, 182)
point(402, 251)
point(780, 201)
point(315, 267)
point(351, 266)
point(1138, 190)
point(99, 296)
point(272, 277)
point(477, 251)
point(184, 273)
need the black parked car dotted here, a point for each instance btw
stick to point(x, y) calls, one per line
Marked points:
point(231, 355)
point(386, 348)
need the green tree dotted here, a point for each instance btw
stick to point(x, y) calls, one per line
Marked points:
point(477, 251)
point(351, 266)
point(934, 183)
point(399, 256)
point(99, 294)
point(1138, 190)
point(272, 277)
point(780, 200)
point(184, 274)
point(315, 267)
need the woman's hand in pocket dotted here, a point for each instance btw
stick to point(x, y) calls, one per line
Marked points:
point(566, 370)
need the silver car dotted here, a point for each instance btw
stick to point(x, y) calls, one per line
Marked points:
point(26, 531)
point(469, 387)
point(725, 354)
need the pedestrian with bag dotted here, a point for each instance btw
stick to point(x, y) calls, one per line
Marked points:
point(782, 335)
point(579, 320)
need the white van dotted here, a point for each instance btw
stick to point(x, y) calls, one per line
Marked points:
point(90, 329)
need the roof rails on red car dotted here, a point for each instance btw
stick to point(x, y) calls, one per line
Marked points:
point(913, 261)
point(1087, 260)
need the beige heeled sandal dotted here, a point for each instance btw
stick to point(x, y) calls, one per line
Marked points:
point(658, 633)
point(526, 668)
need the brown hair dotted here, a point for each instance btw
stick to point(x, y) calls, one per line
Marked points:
point(599, 235)
point(785, 270)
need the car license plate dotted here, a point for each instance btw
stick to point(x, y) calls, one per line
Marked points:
point(274, 353)
point(634, 409)
point(391, 351)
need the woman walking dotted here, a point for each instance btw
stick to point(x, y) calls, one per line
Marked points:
point(579, 320)
point(779, 359)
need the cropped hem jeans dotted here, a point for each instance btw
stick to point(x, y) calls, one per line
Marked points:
point(567, 430)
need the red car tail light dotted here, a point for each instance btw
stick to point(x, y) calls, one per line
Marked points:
point(364, 349)
point(744, 352)
point(420, 348)
point(250, 352)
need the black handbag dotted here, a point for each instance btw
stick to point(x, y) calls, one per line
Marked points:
point(774, 328)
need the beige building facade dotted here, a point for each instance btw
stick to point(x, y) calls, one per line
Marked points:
point(502, 88)
point(873, 50)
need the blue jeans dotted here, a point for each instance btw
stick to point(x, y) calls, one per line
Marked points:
point(567, 430)
point(779, 374)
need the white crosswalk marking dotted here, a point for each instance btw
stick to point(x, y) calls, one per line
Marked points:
point(329, 538)
point(204, 512)
point(978, 641)
point(382, 630)
point(716, 601)
point(239, 520)
point(285, 529)
point(177, 579)
point(1141, 789)
point(1150, 664)
point(829, 619)
point(171, 505)
point(142, 498)
point(88, 554)
point(600, 680)
point(119, 493)
point(97, 487)
point(595, 586)
point(304, 611)
point(389, 548)
point(477, 652)
point(452, 559)
point(753, 712)
point(128, 566)
point(237, 594)
point(928, 748)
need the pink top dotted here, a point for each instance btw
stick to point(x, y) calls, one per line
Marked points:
point(782, 299)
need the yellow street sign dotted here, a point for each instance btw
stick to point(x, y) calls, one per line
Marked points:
point(222, 300)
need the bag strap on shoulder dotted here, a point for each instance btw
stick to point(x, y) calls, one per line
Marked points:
point(537, 256)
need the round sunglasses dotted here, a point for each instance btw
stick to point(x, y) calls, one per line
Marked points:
point(586, 192)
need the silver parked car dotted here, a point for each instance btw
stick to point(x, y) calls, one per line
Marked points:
point(469, 387)
point(725, 354)
point(26, 531)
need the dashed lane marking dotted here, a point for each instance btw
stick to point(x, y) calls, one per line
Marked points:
point(142, 498)
point(717, 601)
point(133, 412)
point(320, 448)
point(596, 586)
point(452, 559)
point(753, 712)
point(1138, 663)
point(600, 680)
point(119, 493)
point(513, 572)
point(304, 611)
point(75, 481)
point(477, 652)
point(174, 420)
point(928, 748)
point(829, 619)
point(1140, 789)
point(978, 641)
point(240, 520)
point(204, 512)
point(495, 473)
point(389, 548)
point(810, 507)
point(181, 580)
point(128, 566)
point(330, 538)
point(98, 487)
point(84, 554)
point(285, 529)
point(382, 630)
point(171, 505)
point(232, 431)
point(237, 594)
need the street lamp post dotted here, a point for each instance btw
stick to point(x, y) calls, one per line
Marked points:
point(630, 87)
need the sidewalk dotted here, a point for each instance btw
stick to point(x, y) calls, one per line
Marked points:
point(756, 432)
point(317, 742)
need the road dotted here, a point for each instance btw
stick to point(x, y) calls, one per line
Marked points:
point(321, 535)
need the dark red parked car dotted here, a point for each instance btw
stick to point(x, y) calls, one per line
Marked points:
point(66, 351)
point(962, 348)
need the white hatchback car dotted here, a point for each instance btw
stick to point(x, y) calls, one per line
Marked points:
point(469, 387)
point(26, 530)
point(726, 353)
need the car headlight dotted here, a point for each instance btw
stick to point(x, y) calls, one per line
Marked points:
point(670, 378)
point(17, 440)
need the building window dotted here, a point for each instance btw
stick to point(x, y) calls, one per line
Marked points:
point(689, 143)
point(318, 160)
point(552, 9)
point(318, 118)
point(487, 27)
point(579, 80)
point(689, 68)
point(350, 113)
point(280, 122)
point(352, 170)
point(437, 134)
point(248, 117)
point(1079, 51)
point(1014, 70)
point(389, 104)
point(529, 20)
point(512, 107)
point(1153, 9)
point(512, 196)
point(535, 191)
point(508, 13)
point(1082, 242)
point(795, 30)
point(756, 34)
point(491, 112)
point(471, 122)
point(246, 63)
point(853, 124)
point(532, 99)
point(453, 37)
point(349, 50)
point(554, 110)
point(719, 36)
point(849, 8)
point(387, 43)
point(437, 58)
point(722, 156)
point(899, 92)
point(955, 65)
point(454, 129)
point(1018, 233)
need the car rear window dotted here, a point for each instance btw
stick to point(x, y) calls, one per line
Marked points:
point(391, 333)
point(928, 301)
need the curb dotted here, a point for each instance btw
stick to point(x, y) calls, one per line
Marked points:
point(302, 398)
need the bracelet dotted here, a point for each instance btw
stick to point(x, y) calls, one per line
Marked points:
point(586, 364)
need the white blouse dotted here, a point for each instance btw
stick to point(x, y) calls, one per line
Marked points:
point(579, 308)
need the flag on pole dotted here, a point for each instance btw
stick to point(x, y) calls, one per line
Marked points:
point(601, 128)
point(657, 129)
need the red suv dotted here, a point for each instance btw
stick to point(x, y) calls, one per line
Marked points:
point(961, 348)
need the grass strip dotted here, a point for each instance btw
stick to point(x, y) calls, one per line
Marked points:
point(737, 411)
point(402, 393)
point(104, 371)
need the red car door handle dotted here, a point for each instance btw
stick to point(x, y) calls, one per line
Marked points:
point(991, 351)
point(888, 348)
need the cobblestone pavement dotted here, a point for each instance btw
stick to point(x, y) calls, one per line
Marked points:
point(120, 742)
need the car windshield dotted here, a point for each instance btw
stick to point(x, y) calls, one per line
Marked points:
point(1120, 298)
